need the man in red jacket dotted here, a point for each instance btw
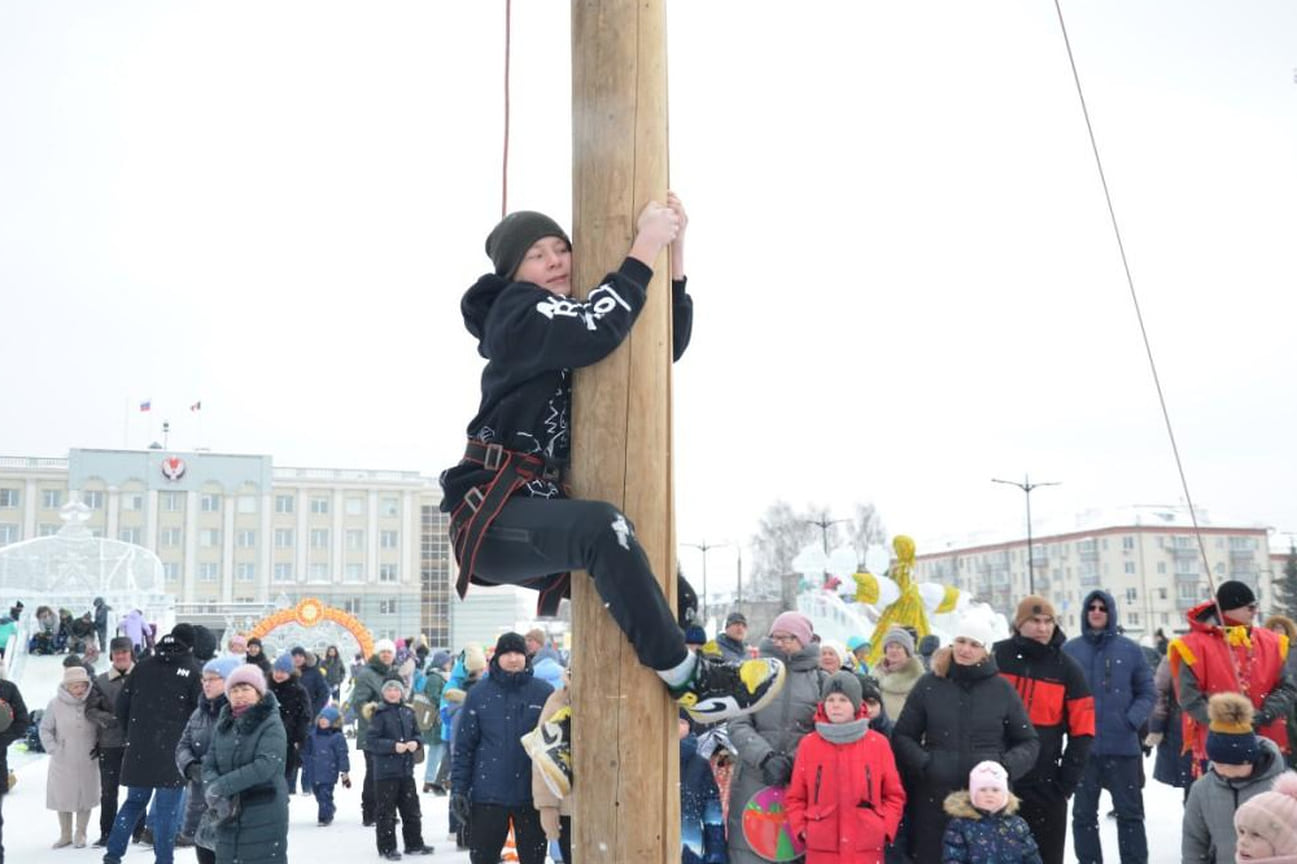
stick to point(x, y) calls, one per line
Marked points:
point(1054, 690)
point(1232, 656)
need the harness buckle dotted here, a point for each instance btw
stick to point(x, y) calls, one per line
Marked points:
point(493, 458)
point(473, 498)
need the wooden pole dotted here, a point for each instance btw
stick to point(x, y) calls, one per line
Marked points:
point(625, 743)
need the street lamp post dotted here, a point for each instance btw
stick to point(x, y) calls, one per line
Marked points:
point(824, 523)
point(1026, 486)
point(703, 547)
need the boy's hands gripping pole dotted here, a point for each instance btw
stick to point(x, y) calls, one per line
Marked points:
point(657, 226)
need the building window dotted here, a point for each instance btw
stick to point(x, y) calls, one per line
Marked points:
point(1129, 567)
point(133, 503)
point(247, 504)
point(283, 538)
point(355, 506)
point(351, 605)
point(389, 539)
point(283, 572)
point(8, 498)
point(246, 538)
point(1132, 594)
point(387, 572)
point(354, 573)
point(210, 502)
point(9, 533)
point(245, 571)
point(389, 506)
point(1187, 591)
point(209, 537)
point(1220, 568)
point(319, 505)
point(1132, 617)
point(171, 501)
point(1127, 542)
point(170, 536)
point(355, 539)
point(283, 503)
point(129, 535)
point(94, 499)
point(319, 538)
point(171, 571)
point(319, 573)
point(1161, 568)
point(208, 571)
point(387, 607)
point(47, 529)
point(1161, 593)
point(52, 499)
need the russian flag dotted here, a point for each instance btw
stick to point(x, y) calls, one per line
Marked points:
point(197, 406)
point(146, 405)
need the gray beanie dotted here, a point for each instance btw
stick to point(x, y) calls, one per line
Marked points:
point(509, 241)
point(845, 683)
point(897, 634)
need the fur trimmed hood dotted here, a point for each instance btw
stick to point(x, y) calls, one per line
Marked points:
point(959, 805)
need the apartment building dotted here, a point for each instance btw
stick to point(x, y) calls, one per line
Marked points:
point(234, 529)
point(1148, 558)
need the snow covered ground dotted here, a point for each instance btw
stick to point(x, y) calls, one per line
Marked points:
point(29, 828)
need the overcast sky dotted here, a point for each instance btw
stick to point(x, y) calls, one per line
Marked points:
point(905, 277)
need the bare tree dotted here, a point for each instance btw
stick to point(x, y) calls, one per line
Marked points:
point(781, 534)
point(866, 530)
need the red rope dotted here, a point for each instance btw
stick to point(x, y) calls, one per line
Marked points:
point(504, 168)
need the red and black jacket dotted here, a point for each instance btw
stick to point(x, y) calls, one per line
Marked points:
point(1053, 688)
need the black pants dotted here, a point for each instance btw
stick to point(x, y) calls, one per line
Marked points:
point(110, 780)
point(1047, 819)
point(394, 795)
point(565, 838)
point(488, 828)
point(367, 802)
point(533, 537)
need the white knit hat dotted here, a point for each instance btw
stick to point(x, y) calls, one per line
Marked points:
point(975, 625)
point(384, 645)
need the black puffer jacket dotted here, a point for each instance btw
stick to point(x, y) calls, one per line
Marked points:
point(153, 707)
point(295, 712)
point(392, 723)
point(17, 729)
point(955, 717)
point(1054, 691)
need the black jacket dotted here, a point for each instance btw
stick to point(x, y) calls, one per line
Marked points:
point(955, 717)
point(101, 708)
point(153, 707)
point(316, 687)
point(532, 339)
point(9, 693)
point(1057, 698)
point(294, 708)
point(392, 723)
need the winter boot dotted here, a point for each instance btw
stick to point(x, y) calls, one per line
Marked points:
point(65, 830)
point(79, 838)
point(718, 691)
point(550, 747)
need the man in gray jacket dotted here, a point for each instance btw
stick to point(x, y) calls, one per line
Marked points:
point(100, 708)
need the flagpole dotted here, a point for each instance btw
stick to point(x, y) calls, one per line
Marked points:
point(126, 422)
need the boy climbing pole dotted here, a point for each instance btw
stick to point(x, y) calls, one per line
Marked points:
point(511, 519)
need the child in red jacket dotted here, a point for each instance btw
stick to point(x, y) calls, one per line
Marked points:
point(845, 799)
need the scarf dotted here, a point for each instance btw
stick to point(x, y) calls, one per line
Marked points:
point(239, 710)
point(843, 733)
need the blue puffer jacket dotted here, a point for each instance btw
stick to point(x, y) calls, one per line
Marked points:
point(702, 830)
point(976, 837)
point(1119, 678)
point(325, 754)
point(489, 764)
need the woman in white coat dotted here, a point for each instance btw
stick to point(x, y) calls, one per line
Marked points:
point(68, 736)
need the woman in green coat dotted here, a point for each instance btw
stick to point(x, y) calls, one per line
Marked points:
point(243, 774)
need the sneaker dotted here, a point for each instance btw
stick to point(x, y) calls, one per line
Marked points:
point(550, 747)
point(101, 842)
point(718, 690)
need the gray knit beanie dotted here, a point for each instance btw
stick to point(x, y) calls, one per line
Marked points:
point(509, 241)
